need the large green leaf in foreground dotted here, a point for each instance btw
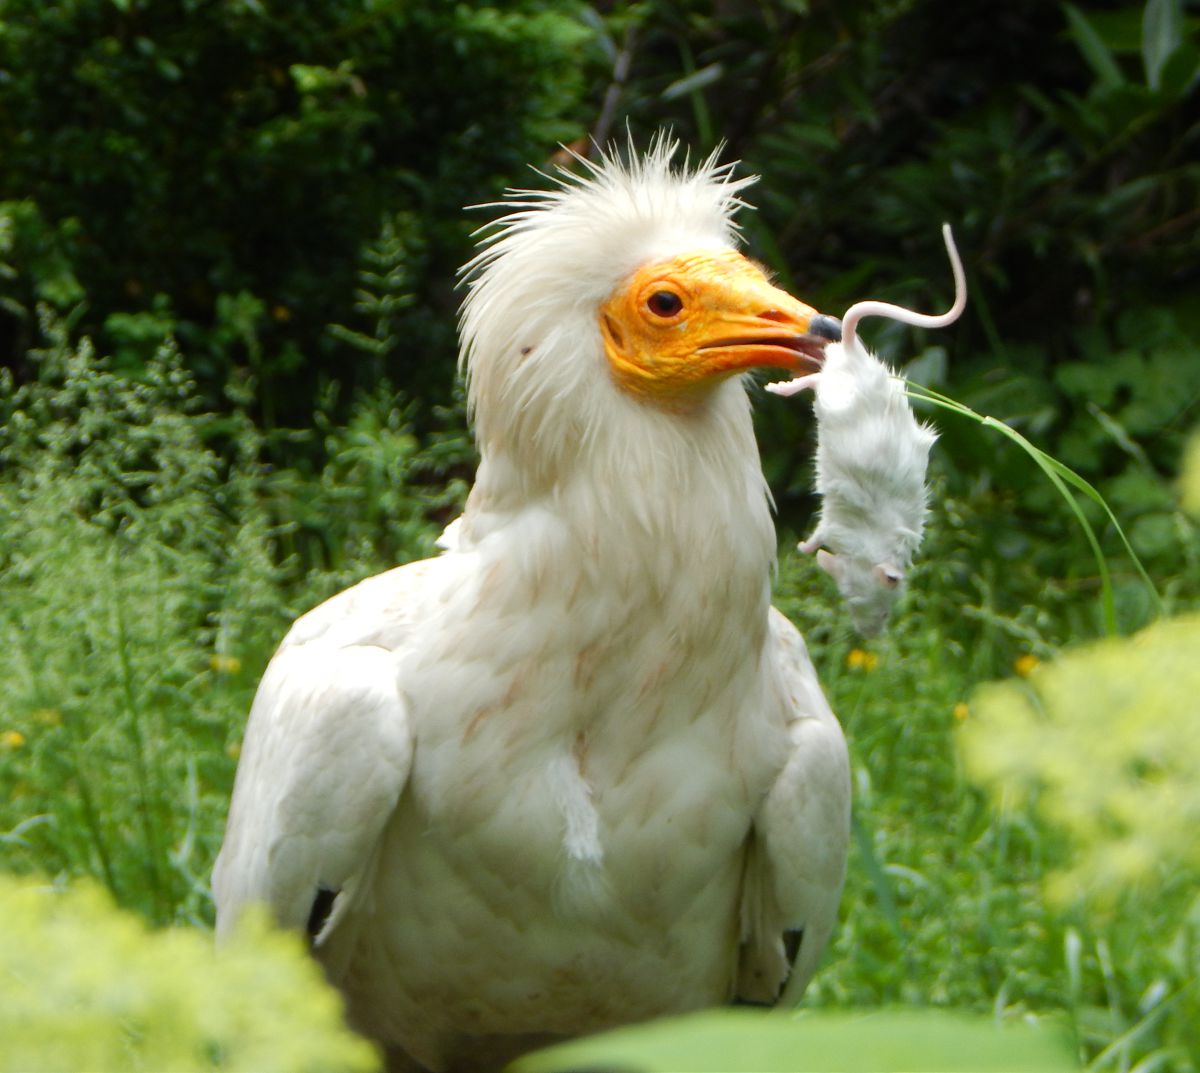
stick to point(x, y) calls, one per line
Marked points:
point(749, 1041)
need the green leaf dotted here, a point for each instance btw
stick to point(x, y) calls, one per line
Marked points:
point(695, 81)
point(1180, 71)
point(879, 1041)
point(1094, 50)
point(1162, 34)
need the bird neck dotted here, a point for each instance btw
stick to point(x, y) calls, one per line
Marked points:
point(636, 506)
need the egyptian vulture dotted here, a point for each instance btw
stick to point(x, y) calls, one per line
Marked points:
point(576, 771)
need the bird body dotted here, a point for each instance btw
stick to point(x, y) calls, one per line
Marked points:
point(575, 771)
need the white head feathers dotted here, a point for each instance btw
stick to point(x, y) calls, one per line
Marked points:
point(533, 357)
point(634, 486)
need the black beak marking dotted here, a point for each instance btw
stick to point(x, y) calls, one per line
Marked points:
point(829, 328)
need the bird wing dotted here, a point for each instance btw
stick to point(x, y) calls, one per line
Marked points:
point(327, 752)
point(797, 853)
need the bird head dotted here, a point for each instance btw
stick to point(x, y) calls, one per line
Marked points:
point(616, 307)
point(676, 328)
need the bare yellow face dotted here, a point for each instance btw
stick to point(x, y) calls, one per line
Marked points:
point(678, 327)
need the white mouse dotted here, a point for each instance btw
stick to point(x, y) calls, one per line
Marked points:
point(872, 454)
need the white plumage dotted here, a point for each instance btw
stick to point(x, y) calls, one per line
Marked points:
point(575, 771)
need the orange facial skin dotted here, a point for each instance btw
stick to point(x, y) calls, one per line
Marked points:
point(677, 328)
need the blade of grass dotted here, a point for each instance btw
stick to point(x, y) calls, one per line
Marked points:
point(1059, 475)
point(147, 799)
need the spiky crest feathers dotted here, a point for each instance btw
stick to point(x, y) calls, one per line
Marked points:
point(530, 344)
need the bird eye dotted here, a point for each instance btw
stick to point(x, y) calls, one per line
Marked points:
point(664, 303)
point(888, 576)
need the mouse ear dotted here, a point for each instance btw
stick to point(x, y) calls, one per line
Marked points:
point(888, 575)
point(830, 563)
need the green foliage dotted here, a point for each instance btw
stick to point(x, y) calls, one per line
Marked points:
point(383, 294)
point(1054, 137)
point(384, 494)
point(182, 155)
point(1190, 479)
point(1101, 744)
point(134, 557)
point(1068, 484)
point(86, 986)
point(1098, 749)
point(276, 195)
point(744, 1041)
point(26, 239)
point(144, 581)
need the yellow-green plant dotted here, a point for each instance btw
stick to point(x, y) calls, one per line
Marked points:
point(85, 985)
point(1104, 744)
point(1190, 483)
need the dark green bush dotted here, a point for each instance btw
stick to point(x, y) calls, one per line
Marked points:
point(216, 167)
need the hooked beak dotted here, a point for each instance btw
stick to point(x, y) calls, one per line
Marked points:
point(770, 343)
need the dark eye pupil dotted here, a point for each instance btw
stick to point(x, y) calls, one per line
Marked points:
point(665, 303)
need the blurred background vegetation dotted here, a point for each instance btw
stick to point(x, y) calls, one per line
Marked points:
point(229, 233)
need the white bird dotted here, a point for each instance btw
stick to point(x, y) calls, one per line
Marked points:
point(576, 771)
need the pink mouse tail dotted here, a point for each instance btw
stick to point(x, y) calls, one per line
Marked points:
point(920, 320)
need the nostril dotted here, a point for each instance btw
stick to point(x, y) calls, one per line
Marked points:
point(776, 315)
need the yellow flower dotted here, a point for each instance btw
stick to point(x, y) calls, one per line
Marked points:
point(961, 710)
point(50, 717)
point(1025, 664)
point(12, 739)
point(858, 660)
point(223, 664)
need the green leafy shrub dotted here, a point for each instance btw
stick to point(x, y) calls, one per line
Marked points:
point(136, 578)
point(84, 986)
point(1099, 747)
point(384, 493)
point(1102, 743)
point(147, 572)
point(195, 152)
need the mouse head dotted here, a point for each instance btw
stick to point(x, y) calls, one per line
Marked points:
point(869, 589)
